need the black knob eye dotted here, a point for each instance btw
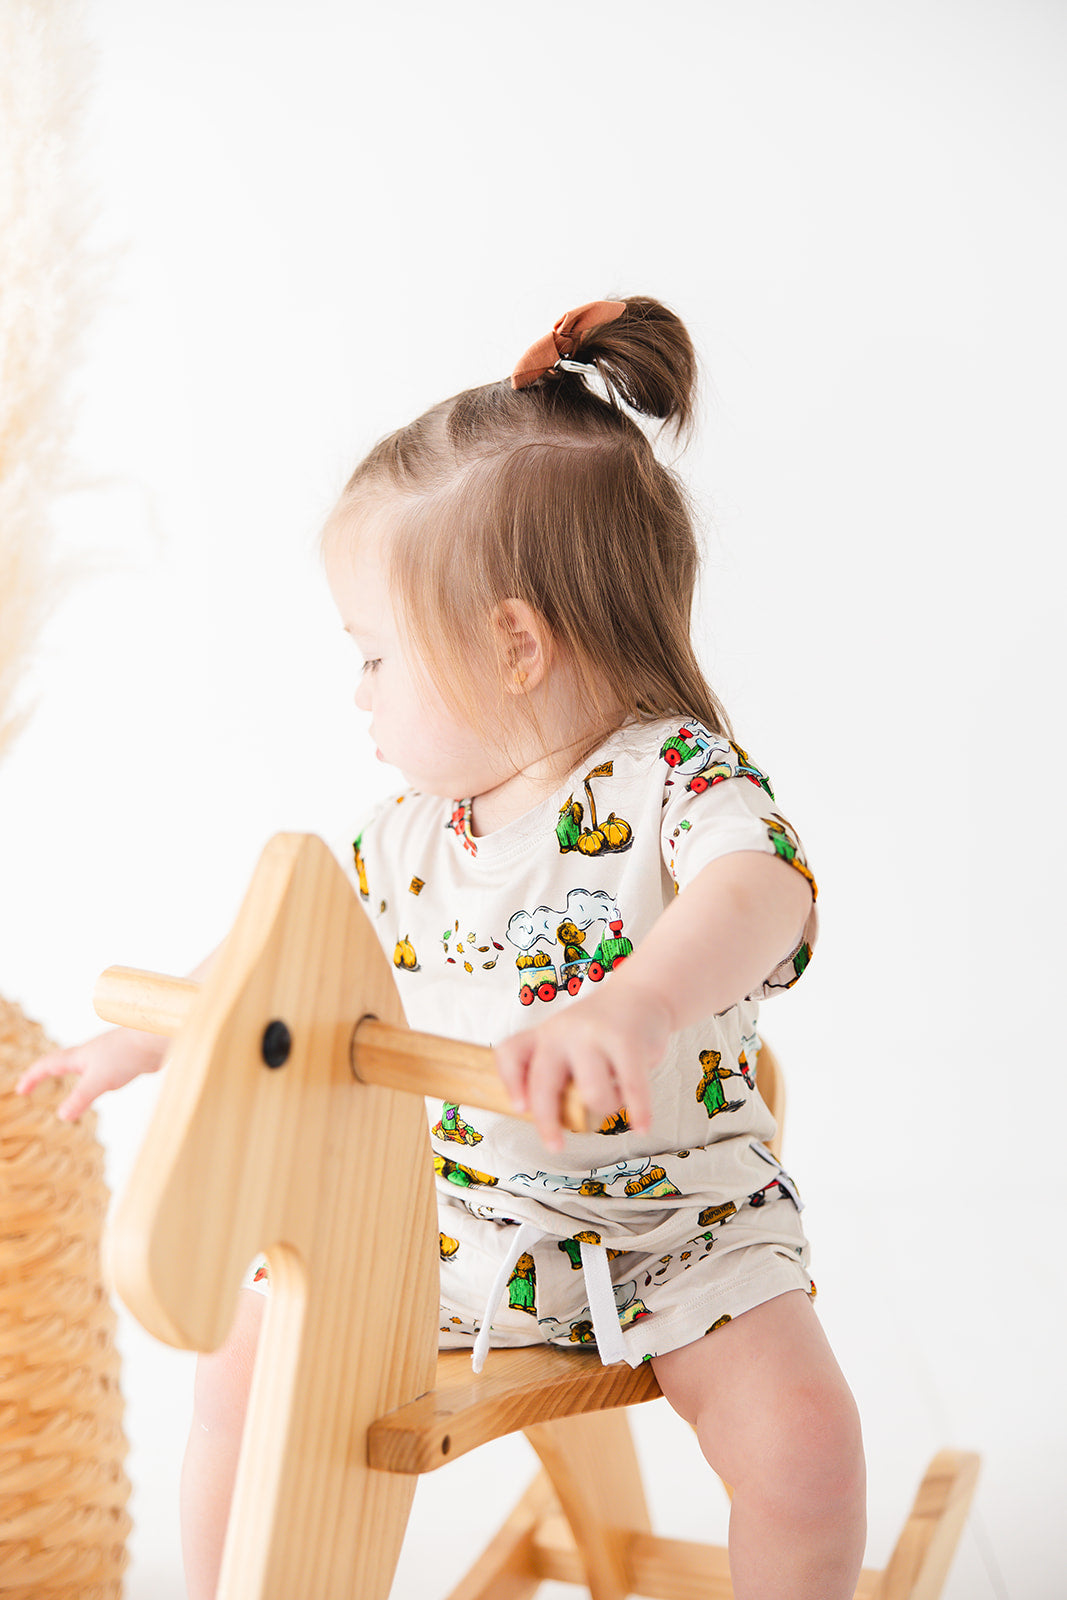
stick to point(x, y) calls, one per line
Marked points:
point(277, 1043)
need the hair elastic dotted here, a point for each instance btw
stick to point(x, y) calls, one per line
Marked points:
point(556, 348)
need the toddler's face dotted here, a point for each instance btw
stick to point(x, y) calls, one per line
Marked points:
point(412, 726)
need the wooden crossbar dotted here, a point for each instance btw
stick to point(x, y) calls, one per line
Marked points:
point(379, 1052)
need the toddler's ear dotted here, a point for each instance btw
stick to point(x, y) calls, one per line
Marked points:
point(524, 644)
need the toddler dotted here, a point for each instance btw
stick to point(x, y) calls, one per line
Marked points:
point(586, 872)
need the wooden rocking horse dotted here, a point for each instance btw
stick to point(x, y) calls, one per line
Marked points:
point(291, 1055)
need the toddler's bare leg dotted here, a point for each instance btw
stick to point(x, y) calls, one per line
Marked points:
point(223, 1380)
point(776, 1419)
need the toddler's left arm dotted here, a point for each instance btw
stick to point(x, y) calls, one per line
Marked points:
point(717, 941)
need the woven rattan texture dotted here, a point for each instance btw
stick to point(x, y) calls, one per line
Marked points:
point(63, 1487)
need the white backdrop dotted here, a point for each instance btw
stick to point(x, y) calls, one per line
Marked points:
point(330, 216)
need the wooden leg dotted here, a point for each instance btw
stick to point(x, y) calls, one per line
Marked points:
point(593, 1467)
point(604, 1538)
point(591, 1475)
point(919, 1565)
point(506, 1569)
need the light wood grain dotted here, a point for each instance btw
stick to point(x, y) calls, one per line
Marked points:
point(659, 1568)
point(593, 1467)
point(333, 1179)
point(133, 998)
point(379, 1052)
point(445, 1069)
point(507, 1568)
point(516, 1389)
point(919, 1565)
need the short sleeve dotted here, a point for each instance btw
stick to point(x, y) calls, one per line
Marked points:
point(717, 801)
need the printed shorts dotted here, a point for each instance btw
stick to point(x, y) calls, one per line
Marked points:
point(663, 1302)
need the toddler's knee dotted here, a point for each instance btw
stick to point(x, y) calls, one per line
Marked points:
point(809, 1465)
point(224, 1377)
point(831, 1439)
point(823, 1468)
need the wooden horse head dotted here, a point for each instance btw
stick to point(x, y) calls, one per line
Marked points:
point(264, 1140)
point(291, 1122)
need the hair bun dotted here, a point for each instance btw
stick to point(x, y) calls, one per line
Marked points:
point(646, 357)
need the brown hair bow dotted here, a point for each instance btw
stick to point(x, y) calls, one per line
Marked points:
point(564, 339)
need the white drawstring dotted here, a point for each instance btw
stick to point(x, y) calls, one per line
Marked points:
point(605, 1312)
point(602, 1307)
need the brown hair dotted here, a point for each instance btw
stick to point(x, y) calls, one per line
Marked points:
point(553, 494)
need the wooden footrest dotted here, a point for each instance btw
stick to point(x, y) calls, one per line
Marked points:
point(536, 1545)
point(529, 1551)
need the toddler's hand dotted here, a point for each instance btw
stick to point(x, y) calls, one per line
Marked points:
point(108, 1061)
point(608, 1042)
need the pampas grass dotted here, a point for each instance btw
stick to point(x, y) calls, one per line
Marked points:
point(63, 1485)
point(50, 283)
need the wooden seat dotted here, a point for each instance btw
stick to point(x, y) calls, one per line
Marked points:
point(290, 1059)
point(516, 1389)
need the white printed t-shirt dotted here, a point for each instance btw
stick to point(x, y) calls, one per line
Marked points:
point(486, 933)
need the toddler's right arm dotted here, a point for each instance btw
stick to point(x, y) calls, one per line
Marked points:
point(107, 1061)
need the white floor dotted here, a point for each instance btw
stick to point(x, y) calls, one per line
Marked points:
point(938, 1352)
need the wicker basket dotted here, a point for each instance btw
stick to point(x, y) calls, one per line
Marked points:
point(63, 1487)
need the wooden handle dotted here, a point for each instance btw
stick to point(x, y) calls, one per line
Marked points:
point(148, 1000)
point(396, 1058)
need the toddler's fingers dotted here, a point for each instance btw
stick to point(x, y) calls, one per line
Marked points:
point(637, 1099)
point(546, 1085)
point(73, 1106)
point(630, 1086)
point(56, 1064)
point(512, 1059)
point(598, 1088)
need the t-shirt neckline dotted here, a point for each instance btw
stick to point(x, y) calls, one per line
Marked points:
point(513, 838)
